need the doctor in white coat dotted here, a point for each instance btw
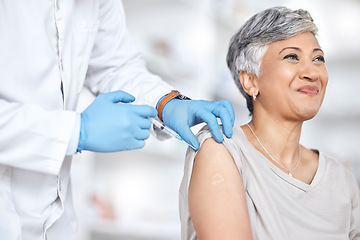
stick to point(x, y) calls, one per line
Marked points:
point(50, 49)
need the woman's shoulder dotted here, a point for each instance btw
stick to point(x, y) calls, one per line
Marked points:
point(211, 153)
point(334, 164)
point(337, 171)
point(236, 141)
point(233, 147)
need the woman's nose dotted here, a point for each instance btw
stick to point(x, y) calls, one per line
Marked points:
point(309, 72)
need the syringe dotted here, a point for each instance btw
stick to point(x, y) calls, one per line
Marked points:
point(168, 130)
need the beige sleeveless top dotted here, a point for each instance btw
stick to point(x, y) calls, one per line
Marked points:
point(282, 207)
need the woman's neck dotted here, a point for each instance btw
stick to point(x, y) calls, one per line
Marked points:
point(279, 137)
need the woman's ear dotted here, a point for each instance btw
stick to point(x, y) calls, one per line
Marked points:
point(249, 82)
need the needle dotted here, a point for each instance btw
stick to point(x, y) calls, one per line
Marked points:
point(168, 130)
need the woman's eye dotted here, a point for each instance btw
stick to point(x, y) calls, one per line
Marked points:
point(292, 57)
point(320, 59)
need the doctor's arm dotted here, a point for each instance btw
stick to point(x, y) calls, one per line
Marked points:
point(115, 64)
point(217, 200)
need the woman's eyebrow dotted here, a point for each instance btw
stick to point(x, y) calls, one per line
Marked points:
point(298, 49)
point(294, 48)
point(318, 49)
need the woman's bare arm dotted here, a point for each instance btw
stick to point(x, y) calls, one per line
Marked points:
point(217, 200)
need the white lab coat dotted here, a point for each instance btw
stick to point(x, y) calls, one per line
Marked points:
point(49, 49)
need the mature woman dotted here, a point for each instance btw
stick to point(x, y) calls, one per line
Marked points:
point(261, 183)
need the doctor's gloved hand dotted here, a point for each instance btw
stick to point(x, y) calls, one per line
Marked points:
point(180, 115)
point(109, 124)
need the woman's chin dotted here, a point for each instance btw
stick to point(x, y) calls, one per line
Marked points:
point(307, 113)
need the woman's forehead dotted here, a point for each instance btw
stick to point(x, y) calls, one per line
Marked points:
point(301, 41)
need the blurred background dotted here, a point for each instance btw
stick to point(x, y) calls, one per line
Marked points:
point(134, 195)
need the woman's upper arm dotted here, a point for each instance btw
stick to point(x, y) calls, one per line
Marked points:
point(217, 200)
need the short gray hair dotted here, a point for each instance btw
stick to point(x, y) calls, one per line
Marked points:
point(249, 44)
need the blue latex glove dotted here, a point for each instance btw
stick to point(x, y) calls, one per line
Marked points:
point(109, 124)
point(180, 115)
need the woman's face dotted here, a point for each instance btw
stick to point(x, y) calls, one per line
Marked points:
point(293, 78)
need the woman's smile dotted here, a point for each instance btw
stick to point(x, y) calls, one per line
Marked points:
point(309, 90)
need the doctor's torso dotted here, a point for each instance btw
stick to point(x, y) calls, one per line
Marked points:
point(45, 49)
